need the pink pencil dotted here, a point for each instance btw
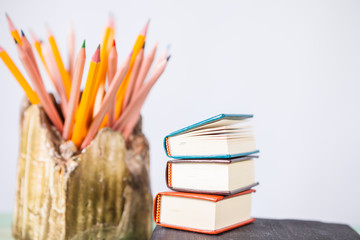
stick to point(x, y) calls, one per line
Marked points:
point(74, 93)
point(40, 89)
point(27, 47)
point(71, 52)
point(133, 77)
point(105, 105)
point(55, 78)
point(131, 110)
point(145, 66)
point(112, 65)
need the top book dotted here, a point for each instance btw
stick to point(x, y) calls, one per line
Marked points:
point(221, 136)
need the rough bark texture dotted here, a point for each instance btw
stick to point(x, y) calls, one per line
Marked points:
point(101, 193)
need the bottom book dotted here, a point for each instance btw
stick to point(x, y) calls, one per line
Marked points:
point(211, 214)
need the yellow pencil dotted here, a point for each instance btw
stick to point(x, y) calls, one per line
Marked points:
point(64, 74)
point(14, 32)
point(31, 95)
point(83, 114)
point(121, 92)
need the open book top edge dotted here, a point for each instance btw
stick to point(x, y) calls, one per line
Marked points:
point(211, 120)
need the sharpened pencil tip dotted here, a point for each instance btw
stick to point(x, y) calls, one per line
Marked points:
point(168, 58)
point(96, 56)
point(143, 47)
point(22, 33)
point(144, 30)
point(114, 44)
point(15, 41)
point(83, 45)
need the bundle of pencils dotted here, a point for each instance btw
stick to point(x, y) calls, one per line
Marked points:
point(116, 106)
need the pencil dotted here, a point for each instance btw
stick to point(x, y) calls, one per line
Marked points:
point(75, 92)
point(13, 31)
point(27, 47)
point(83, 113)
point(39, 46)
point(105, 105)
point(133, 77)
point(63, 73)
point(131, 110)
point(30, 94)
point(121, 92)
point(55, 78)
point(145, 66)
point(40, 89)
point(105, 49)
point(112, 63)
point(71, 52)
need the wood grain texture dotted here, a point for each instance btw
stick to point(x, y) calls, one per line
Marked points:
point(269, 229)
point(101, 193)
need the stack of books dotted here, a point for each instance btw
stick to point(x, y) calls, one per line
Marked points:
point(212, 175)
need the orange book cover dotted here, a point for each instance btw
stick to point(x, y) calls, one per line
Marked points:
point(207, 197)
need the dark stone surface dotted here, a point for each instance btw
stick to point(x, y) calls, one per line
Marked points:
point(267, 229)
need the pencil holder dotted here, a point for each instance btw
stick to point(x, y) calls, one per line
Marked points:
point(101, 193)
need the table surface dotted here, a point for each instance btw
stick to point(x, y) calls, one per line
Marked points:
point(6, 218)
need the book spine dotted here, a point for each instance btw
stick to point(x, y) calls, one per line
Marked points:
point(169, 175)
point(167, 147)
point(157, 204)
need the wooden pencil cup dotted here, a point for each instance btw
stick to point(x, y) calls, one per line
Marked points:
point(101, 193)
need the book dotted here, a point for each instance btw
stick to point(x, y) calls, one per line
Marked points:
point(264, 229)
point(221, 136)
point(211, 176)
point(211, 214)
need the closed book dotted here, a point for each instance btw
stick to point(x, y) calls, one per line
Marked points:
point(221, 136)
point(211, 176)
point(204, 213)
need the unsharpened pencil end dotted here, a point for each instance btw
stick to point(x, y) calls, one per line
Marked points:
point(168, 58)
point(83, 45)
point(131, 53)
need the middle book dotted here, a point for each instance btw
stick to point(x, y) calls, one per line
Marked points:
point(211, 176)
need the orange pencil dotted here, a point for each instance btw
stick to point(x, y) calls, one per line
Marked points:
point(83, 114)
point(40, 89)
point(101, 76)
point(31, 95)
point(145, 66)
point(75, 92)
point(133, 77)
point(64, 74)
point(121, 92)
point(131, 110)
point(14, 32)
point(105, 105)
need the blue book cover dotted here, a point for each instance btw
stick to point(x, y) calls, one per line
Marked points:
point(202, 123)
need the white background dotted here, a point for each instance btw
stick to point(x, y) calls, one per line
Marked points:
point(293, 64)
